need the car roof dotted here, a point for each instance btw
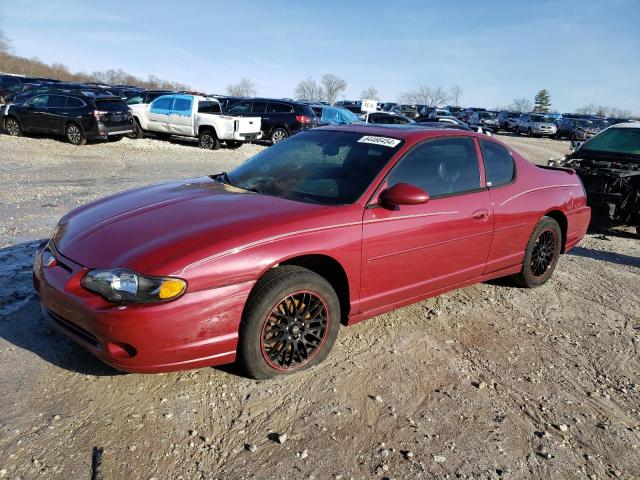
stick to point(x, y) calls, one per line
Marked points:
point(632, 124)
point(408, 132)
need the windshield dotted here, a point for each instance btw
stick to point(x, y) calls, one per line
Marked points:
point(319, 166)
point(540, 119)
point(615, 140)
point(584, 123)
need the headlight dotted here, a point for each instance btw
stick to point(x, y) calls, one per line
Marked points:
point(124, 286)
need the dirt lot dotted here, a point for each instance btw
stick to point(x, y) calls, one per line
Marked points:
point(486, 382)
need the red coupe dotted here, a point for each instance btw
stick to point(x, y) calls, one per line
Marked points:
point(335, 225)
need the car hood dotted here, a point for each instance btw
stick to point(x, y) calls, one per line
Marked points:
point(160, 229)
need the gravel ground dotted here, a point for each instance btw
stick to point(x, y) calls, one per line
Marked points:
point(489, 381)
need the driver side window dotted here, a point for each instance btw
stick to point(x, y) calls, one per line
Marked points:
point(39, 102)
point(447, 166)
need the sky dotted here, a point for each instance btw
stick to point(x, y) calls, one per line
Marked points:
point(581, 51)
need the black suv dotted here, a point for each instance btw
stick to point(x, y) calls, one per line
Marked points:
point(280, 118)
point(76, 116)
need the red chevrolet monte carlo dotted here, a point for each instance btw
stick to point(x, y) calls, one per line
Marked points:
point(335, 225)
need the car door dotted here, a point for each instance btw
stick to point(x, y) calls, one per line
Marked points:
point(159, 112)
point(33, 114)
point(411, 250)
point(181, 117)
point(56, 114)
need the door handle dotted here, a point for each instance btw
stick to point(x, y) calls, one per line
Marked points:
point(480, 214)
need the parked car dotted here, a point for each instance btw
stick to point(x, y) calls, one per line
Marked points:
point(609, 167)
point(388, 106)
point(280, 118)
point(194, 116)
point(9, 84)
point(147, 96)
point(508, 120)
point(484, 119)
point(576, 129)
point(440, 112)
point(389, 118)
point(445, 124)
point(261, 265)
point(406, 110)
point(455, 110)
point(536, 125)
point(78, 117)
point(329, 115)
point(466, 115)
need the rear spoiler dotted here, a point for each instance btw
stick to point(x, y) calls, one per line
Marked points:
point(570, 171)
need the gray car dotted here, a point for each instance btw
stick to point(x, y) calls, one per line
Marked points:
point(485, 120)
point(536, 125)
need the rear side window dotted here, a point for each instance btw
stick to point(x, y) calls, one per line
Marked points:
point(182, 105)
point(56, 101)
point(111, 105)
point(441, 167)
point(74, 102)
point(498, 164)
point(259, 107)
point(163, 103)
point(280, 108)
point(208, 106)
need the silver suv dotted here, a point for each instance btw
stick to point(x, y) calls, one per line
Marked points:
point(536, 125)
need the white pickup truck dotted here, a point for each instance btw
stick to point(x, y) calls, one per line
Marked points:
point(194, 116)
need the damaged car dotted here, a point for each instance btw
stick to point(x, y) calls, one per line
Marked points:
point(609, 167)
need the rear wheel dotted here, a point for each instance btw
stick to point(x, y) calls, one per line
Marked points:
point(208, 140)
point(75, 135)
point(290, 323)
point(541, 255)
point(233, 144)
point(278, 135)
point(12, 126)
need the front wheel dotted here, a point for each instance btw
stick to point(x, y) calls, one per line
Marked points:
point(290, 323)
point(541, 255)
point(208, 140)
point(75, 135)
point(12, 126)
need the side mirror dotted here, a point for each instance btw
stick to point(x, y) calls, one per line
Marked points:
point(404, 194)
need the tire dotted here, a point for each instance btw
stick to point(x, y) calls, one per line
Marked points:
point(541, 255)
point(12, 127)
point(233, 144)
point(75, 135)
point(163, 135)
point(116, 138)
point(265, 317)
point(278, 135)
point(138, 132)
point(208, 140)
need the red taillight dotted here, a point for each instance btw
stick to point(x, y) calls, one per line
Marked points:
point(98, 114)
point(303, 119)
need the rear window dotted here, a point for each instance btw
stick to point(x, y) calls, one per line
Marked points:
point(498, 164)
point(208, 106)
point(111, 105)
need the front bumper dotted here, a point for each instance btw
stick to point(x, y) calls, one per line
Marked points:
point(544, 131)
point(199, 329)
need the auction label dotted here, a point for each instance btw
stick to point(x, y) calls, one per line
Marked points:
point(386, 141)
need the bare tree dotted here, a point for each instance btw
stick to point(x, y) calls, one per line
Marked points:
point(244, 88)
point(522, 105)
point(370, 93)
point(456, 93)
point(333, 87)
point(5, 43)
point(425, 95)
point(309, 89)
point(587, 109)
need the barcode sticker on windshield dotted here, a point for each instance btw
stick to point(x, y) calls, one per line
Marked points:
point(386, 141)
